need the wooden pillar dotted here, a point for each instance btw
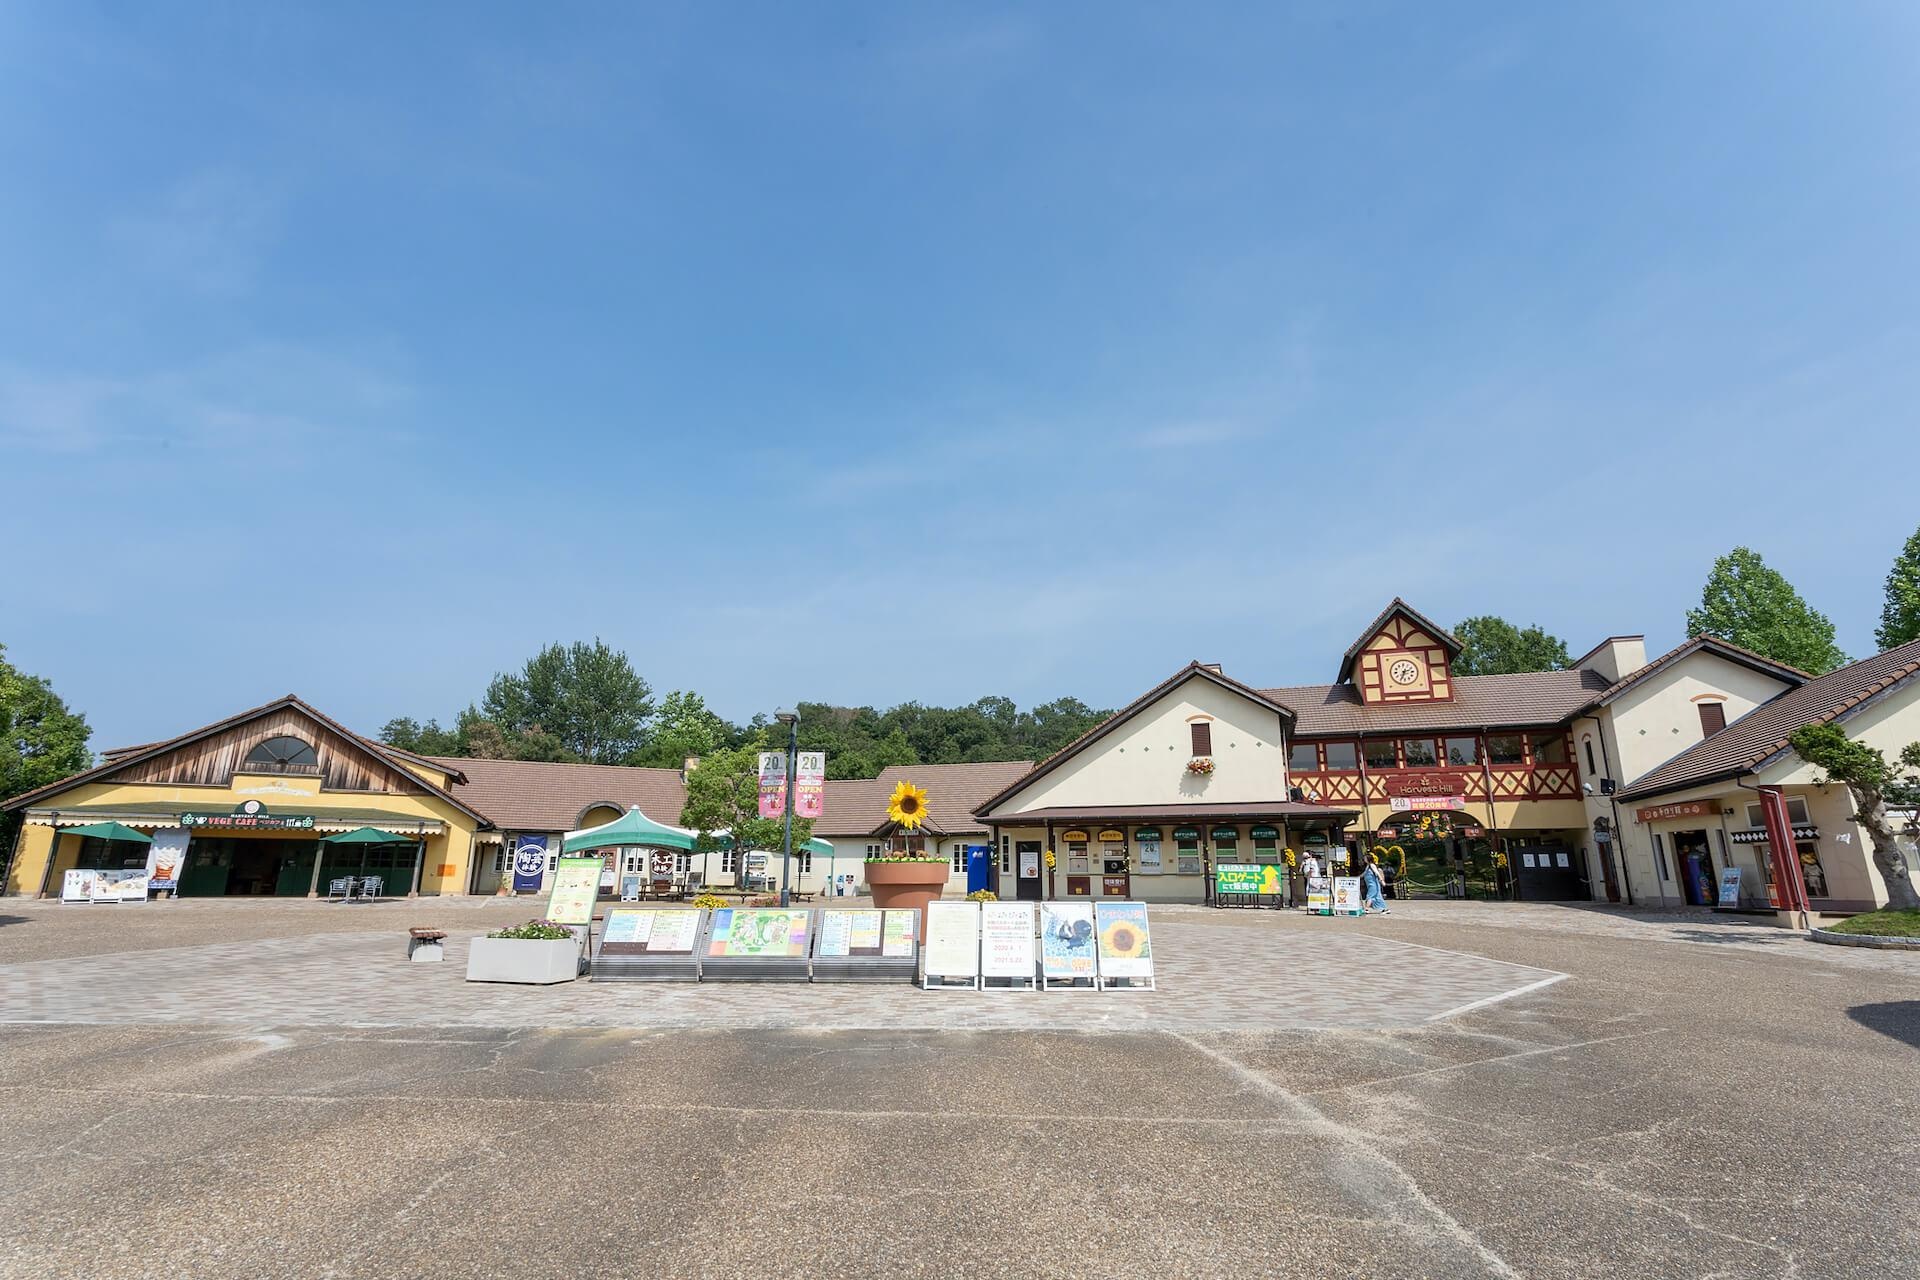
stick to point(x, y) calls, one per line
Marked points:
point(419, 857)
point(319, 853)
point(53, 851)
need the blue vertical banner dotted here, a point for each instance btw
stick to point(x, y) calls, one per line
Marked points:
point(529, 863)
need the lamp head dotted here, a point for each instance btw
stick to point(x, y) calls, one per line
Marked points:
point(787, 715)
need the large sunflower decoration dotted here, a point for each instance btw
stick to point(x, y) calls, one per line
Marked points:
point(1123, 939)
point(908, 807)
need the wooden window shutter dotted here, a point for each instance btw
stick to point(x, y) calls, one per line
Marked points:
point(1202, 738)
point(1713, 718)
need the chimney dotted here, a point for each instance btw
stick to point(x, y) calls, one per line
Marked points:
point(688, 765)
point(1615, 657)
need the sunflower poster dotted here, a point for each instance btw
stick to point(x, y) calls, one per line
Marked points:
point(1066, 941)
point(1126, 949)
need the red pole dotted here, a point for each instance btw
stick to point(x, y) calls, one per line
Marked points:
point(1786, 859)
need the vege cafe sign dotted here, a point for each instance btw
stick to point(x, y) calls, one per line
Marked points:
point(250, 815)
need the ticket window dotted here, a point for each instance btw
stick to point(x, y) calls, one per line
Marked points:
point(1079, 869)
point(1113, 869)
point(1226, 845)
point(1187, 851)
point(1266, 845)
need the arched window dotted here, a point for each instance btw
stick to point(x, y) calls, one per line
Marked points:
point(283, 755)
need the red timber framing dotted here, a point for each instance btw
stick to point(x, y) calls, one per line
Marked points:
point(1531, 779)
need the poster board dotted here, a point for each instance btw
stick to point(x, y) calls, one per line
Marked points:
point(1125, 945)
point(576, 886)
point(758, 944)
point(865, 945)
point(1006, 943)
point(1730, 887)
point(1067, 955)
point(77, 886)
point(649, 944)
point(165, 856)
point(1245, 883)
point(104, 886)
point(1346, 896)
point(953, 946)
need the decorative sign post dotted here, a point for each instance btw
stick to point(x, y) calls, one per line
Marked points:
point(1126, 948)
point(1006, 943)
point(773, 784)
point(649, 944)
point(953, 946)
point(1067, 957)
point(866, 946)
point(810, 784)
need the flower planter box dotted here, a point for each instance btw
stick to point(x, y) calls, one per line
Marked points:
point(523, 960)
point(907, 886)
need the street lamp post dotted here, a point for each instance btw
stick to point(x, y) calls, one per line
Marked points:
point(791, 719)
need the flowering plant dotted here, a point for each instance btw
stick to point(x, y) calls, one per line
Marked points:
point(1050, 859)
point(1291, 858)
point(1201, 765)
point(983, 895)
point(711, 901)
point(1499, 858)
point(534, 931)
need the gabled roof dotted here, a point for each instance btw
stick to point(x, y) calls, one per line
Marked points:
point(1732, 652)
point(1191, 671)
point(953, 792)
point(537, 795)
point(129, 756)
point(1757, 738)
point(1411, 614)
point(1520, 700)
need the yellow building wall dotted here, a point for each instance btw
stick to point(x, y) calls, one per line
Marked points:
point(448, 855)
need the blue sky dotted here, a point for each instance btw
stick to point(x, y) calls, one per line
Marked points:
point(876, 353)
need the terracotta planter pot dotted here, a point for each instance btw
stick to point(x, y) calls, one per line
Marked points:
point(908, 886)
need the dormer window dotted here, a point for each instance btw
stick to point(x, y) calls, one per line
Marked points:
point(284, 754)
point(1713, 718)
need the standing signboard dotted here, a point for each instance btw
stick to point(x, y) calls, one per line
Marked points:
point(953, 945)
point(809, 784)
point(77, 886)
point(1126, 947)
point(773, 784)
point(1730, 887)
point(649, 944)
point(1247, 882)
point(1006, 943)
point(865, 945)
point(756, 944)
point(165, 856)
point(576, 886)
point(1066, 945)
point(529, 863)
point(1346, 896)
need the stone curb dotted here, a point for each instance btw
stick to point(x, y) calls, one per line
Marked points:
point(1864, 940)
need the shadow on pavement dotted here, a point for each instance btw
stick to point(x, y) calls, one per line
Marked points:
point(1899, 1019)
point(1751, 933)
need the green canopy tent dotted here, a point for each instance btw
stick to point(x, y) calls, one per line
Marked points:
point(367, 837)
point(632, 828)
point(109, 831)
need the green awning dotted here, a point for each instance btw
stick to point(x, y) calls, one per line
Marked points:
point(367, 835)
point(820, 848)
point(630, 828)
point(1265, 833)
point(106, 831)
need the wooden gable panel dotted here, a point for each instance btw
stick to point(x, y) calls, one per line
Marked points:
point(345, 765)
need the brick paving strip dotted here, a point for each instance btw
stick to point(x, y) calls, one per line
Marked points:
point(1211, 977)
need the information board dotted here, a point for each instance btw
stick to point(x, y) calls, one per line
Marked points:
point(865, 945)
point(1247, 877)
point(1730, 887)
point(756, 931)
point(650, 931)
point(1006, 941)
point(849, 933)
point(1346, 896)
point(1126, 947)
point(1066, 943)
point(953, 944)
point(576, 885)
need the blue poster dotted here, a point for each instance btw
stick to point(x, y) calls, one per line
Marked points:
point(529, 863)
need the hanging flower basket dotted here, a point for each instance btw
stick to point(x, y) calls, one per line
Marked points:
point(1200, 766)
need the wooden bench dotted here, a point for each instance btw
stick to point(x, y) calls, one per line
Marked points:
point(426, 945)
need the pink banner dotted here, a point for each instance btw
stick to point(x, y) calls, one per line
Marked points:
point(773, 783)
point(810, 784)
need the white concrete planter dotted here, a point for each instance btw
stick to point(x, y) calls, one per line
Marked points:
point(523, 960)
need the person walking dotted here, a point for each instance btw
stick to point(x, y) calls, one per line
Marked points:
point(1370, 884)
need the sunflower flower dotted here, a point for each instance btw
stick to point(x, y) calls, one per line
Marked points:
point(908, 807)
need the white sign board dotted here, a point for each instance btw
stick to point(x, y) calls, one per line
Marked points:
point(1006, 940)
point(1066, 942)
point(1346, 895)
point(953, 942)
point(1126, 946)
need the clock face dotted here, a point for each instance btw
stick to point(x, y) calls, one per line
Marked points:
point(1403, 671)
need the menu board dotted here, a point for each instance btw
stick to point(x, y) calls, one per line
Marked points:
point(104, 886)
point(1126, 949)
point(1006, 940)
point(1066, 940)
point(743, 931)
point(900, 934)
point(953, 939)
point(576, 884)
point(649, 932)
point(855, 933)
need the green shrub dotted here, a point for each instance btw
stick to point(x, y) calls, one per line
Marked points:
point(534, 931)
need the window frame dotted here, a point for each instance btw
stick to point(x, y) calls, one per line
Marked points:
point(1393, 751)
point(1719, 713)
point(1295, 748)
point(1200, 732)
point(1472, 740)
point(1326, 757)
point(1519, 741)
point(1433, 747)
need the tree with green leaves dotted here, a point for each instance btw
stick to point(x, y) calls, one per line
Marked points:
point(723, 794)
point(684, 728)
point(580, 702)
point(1873, 782)
point(1748, 602)
point(1491, 646)
point(41, 739)
point(1900, 615)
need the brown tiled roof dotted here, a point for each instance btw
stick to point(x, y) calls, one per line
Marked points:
point(124, 756)
point(1263, 697)
point(1712, 644)
point(524, 795)
point(1528, 698)
point(1762, 733)
point(1421, 620)
point(1172, 813)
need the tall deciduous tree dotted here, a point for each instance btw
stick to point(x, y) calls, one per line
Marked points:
point(723, 794)
point(1872, 780)
point(1750, 603)
point(1491, 646)
point(684, 728)
point(580, 702)
point(1900, 615)
point(41, 739)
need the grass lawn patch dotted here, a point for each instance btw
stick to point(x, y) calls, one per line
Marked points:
point(1885, 923)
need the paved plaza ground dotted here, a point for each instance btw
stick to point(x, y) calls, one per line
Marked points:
point(1460, 1089)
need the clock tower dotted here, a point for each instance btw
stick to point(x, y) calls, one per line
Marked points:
point(1402, 657)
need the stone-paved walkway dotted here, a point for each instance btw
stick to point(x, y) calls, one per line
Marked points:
point(1211, 977)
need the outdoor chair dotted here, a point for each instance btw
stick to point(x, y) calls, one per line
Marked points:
point(370, 888)
point(340, 890)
